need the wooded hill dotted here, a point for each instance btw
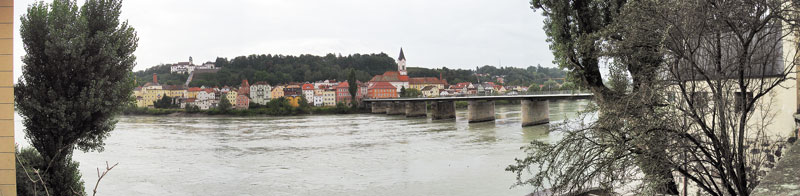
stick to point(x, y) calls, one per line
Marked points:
point(281, 69)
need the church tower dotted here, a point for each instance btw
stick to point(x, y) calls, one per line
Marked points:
point(401, 63)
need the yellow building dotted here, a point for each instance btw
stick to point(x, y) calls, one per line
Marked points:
point(277, 92)
point(231, 95)
point(7, 162)
point(294, 101)
point(329, 98)
point(420, 83)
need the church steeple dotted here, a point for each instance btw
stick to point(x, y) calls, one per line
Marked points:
point(401, 63)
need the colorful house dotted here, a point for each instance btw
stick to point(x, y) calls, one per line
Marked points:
point(329, 97)
point(260, 93)
point(381, 90)
point(308, 92)
point(292, 90)
point(277, 92)
point(232, 95)
point(242, 102)
point(294, 101)
point(430, 91)
point(343, 93)
point(420, 83)
point(244, 89)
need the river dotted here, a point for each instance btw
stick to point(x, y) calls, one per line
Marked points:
point(358, 154)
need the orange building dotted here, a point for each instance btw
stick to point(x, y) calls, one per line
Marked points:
point(381, 90)
point(343, 93)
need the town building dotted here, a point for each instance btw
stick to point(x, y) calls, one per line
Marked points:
point(422, 82)
point(292, 90)
point(231, 96)
point(318, 99)
point(343, 93)
point(318, 84)
point(329, 97)
point(242, 102)
point(206, 99)
point(399, 79)
point(189, 67)
point(381, 90)
point(277, 92)
point(192, 92)
point(308, 92)
point(244, 88)
point(260, 93)
point(294, 100)
point(430, 91)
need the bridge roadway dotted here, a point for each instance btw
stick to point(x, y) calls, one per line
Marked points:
point(480, 109)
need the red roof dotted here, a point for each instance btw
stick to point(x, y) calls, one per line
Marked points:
point(308, 87)
point(343, 85)
point(195, 89)
point(390, 76)
point(383, 85)
point(259, 83)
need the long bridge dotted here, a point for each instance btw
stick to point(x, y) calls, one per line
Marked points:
point(480, 109)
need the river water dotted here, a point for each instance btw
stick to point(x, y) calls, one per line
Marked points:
point(359, 154)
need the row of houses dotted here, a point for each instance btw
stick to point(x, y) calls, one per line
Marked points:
point(322, 93)
point(390, 84)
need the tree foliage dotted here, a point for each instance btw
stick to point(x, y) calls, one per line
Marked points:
point(224, 104)
point(282, 69)
point(165, 102)
point(706, 55)
point(76, 78)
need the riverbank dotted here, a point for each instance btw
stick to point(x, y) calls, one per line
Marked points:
point(283, 111)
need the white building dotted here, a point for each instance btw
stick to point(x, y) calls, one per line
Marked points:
point(189, 67)
point(260, 93)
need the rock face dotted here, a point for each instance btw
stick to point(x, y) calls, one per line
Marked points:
point(784, 179)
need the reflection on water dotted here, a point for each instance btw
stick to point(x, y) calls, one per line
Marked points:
point(361, 154)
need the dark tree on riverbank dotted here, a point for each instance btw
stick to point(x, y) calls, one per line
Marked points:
point(76, 77)
point(700, 53)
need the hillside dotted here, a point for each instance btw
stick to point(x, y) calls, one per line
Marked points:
point(281, 69)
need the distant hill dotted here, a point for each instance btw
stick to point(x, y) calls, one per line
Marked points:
point(488, 73)
point(281, 69)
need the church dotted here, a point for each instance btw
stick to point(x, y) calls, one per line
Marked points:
point(399, 79)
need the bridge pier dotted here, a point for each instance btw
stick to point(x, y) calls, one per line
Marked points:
point(535, 112)
point(416, 109)
point(480, 111)
point(378, 107)
point(395, 108)
point(443, 110)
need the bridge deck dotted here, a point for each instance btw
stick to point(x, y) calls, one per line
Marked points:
point(503, 97)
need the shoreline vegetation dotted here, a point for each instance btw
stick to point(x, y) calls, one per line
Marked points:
point(268, 111)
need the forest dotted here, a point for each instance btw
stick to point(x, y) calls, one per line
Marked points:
point(282, 69)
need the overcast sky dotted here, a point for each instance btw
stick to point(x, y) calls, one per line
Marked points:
point(451, 33)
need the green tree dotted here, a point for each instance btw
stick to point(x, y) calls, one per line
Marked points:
point(351, 80)
point(568, 86)
point(224, 104)
point(164, 102)
point(576, 30)
point(550, 85)
point(403, 91)
point(76, 78)
point(411, 92)
point(534, 87)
